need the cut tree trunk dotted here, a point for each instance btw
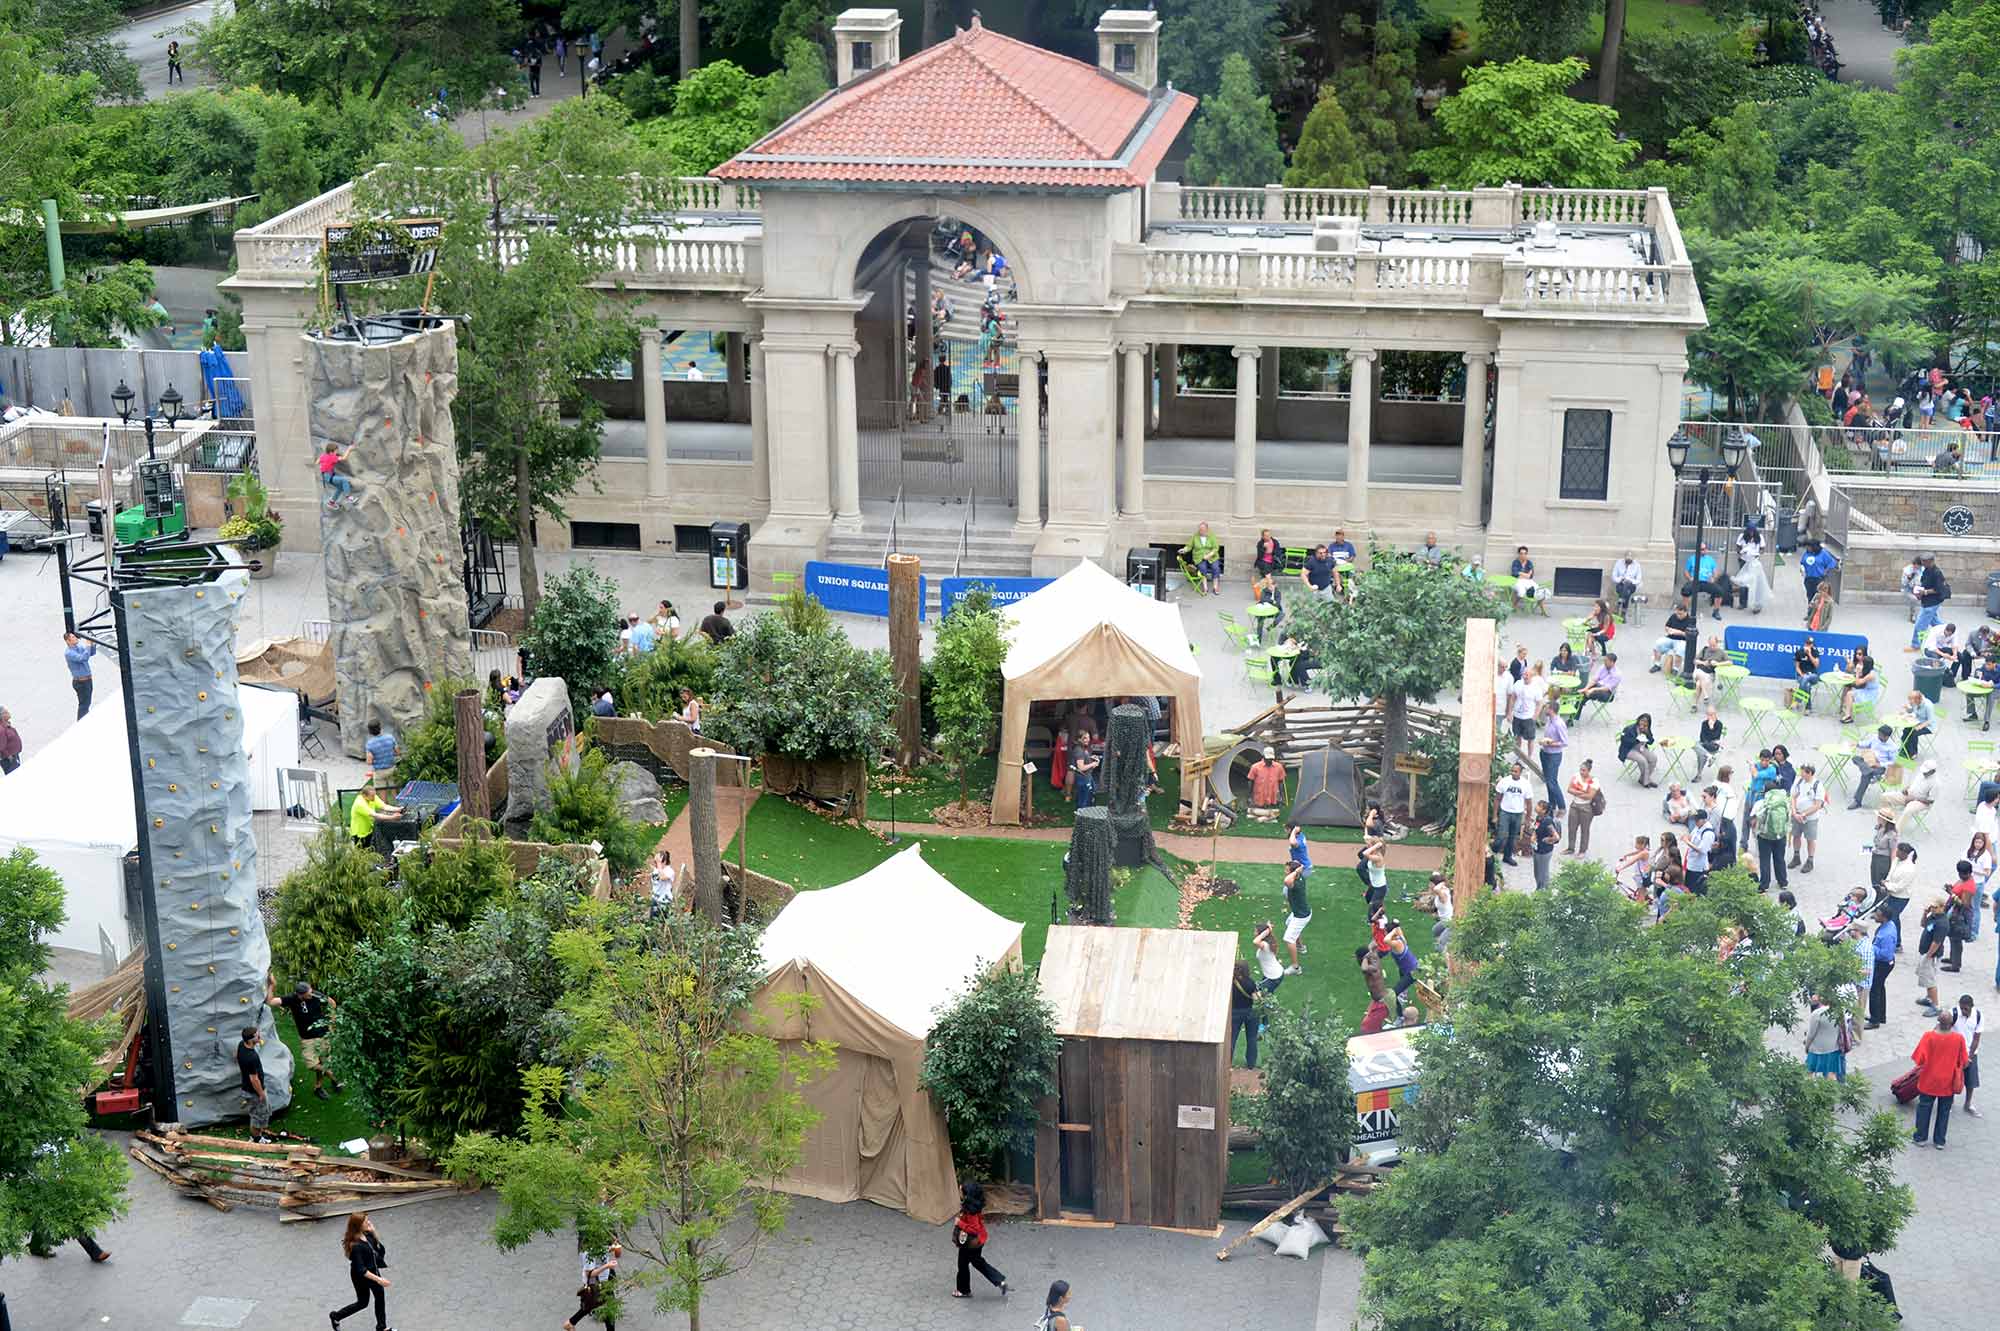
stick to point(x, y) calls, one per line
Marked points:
point(702, 827)
point(906, 656)
point(470, 721)
point(1607, 54)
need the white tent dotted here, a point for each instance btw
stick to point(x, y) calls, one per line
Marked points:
point(1088, 635)
point(878, 955)
point(71, 803)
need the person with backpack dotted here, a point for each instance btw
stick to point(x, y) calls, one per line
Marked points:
point(1772, 821)
point(1930, 947)
point(1053, 1317)
point(968, 1235)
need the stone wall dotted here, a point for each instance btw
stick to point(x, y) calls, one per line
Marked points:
point(1916, 509)
point(394, 590)
point(196, 782)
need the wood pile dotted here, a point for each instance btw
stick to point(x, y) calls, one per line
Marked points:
point(293, 1177)
point(1319, 1203)
point(1296, 728)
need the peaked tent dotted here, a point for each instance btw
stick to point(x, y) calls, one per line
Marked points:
point(1329, 790)
point(879, 955)
point(1088, 635)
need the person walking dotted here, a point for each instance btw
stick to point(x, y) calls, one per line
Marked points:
point(1547, 838)
point(175, 74)
point(1940, 1059)
point(968, 1233)
point(1930, 592)
point(1053, 1317)
point(1887, 938)
point(600, 1274)
point(256, 1099)
point(1550, 745)
point(1586, 801)
point(1772, 822)
point(1242, 1017)
point(535, 67)
point(367, 1257)
point(1930, 948)
point(1825, 1038)
point(10, 743)
point(76, 655)
point(1971, 1022)
point(1809, 801)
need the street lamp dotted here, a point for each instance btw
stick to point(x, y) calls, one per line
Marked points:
point(170, 407)
point(121, 397)
point(1735, 445)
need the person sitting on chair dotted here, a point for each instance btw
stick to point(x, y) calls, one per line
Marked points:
point(1604, 681)
point(1678, 638)
point(1625, 581)
point(1205, 553)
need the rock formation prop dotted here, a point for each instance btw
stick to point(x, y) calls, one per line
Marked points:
point(541, 739)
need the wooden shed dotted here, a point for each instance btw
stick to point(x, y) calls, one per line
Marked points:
point(1138, 1132)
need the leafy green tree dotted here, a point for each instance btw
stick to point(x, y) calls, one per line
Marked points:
point(793, 87)
point(57, 1178)
point(650, 683)
point(682, 1115)
point(1197, 38)
point(1675, 82)
point(75, 37)
point(717, 114)
point(447, 886)
point(573, 633)
point(990, 1058)
point(1384, 642)
point(965, 680)
point(430, 751)
point(559, 190)
point(1517, 122)
point(1605, 1096)
point(98, 310)
point(324, 909)
point(1306, 1114)
point(1236, 133)
point(1517, 29)
point(1730, 176)
point(802, 693)
point(41, 120)
point(1328, 156)
point(364, 48)
point(1377, 93)
point(583, 808)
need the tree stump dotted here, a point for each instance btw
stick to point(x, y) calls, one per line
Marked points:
point(702, 826)
point(1087, 867)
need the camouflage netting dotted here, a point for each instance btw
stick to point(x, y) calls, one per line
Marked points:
point(394, 591)
point(182, 643)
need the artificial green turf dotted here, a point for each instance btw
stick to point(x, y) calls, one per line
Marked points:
point(328, 1122)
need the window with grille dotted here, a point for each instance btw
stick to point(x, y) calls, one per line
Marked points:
point(1124, 57)
point(1586, 457)
point(864, 56)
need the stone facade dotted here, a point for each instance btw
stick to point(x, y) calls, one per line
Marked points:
point(182, 642)
point(394, 588)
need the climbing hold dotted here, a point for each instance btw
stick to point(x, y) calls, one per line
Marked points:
point(159, 822)
point(201, 695)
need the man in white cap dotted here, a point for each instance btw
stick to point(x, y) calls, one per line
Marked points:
point(1267, 786)
point(1918, 795)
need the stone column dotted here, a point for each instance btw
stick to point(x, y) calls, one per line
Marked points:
point(760, 427)
point(798, 435)
point(1472, 441)
point(1360, 428)
point(1028, 431)
point(1132, 489)
point(1083, 433)
point(653, 397)
point(1169, 354)
point(1246, 431)
point(846, 437)
point(1506, 444)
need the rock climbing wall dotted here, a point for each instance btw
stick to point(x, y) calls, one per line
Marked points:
point(214, 955)
point(394, 586)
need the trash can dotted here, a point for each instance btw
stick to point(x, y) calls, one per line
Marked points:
point(1929, 678)
point(1788, 533)
point(729, 555)
point(1146, 572)
point(1993, 594)
point(94, 511)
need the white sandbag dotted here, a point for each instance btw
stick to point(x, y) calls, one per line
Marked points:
point(1275, 1234)
point(1305, 1236)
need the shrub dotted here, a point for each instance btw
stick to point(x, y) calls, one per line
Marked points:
point(965, 679)
point(1437, 790)
point(990, 1058)
point(584, 808)
point(323, 908)
point(804, 692)
point(574, 634)
point(449, 887)
point(1306, 1114)
point(430, 752)
point(650, 683)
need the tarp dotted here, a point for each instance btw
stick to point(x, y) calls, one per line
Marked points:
point(218, 383)
point(1329, 790)
point(878, 956)
point(71, 803)
point(1088, 635)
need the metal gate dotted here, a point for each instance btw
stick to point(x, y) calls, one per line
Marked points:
point(967, 452)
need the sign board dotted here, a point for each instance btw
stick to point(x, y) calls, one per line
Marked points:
point(564, 751)
point(1196, 1116)
point(156, 485)
point(1413, 764)
point(1005, 591)
point(384, 260)
point(855, 589)
point(1768, 651)
point(1382, 1073)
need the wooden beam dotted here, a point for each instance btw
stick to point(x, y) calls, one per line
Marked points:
point(469, 726)
point(1475, 764)
point(1271, 1219)
point(905, 602)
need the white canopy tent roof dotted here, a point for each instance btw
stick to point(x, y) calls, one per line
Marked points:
point(900, 938)
point(1088, 635)
point(72, 805)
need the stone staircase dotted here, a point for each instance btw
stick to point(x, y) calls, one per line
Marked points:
point(989, 552)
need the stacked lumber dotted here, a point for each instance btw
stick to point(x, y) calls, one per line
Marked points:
point(293, 1178)
point(122, 992)
point(1319, 1203)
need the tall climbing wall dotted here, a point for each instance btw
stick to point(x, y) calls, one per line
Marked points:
point(214, 954)
point(394, 567)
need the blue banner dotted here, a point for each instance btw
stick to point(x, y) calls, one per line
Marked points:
point(1005, 591)
point(1768, 651)
point(855, 589)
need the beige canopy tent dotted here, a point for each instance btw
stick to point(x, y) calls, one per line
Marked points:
point(879, 956)
point(1088, 635)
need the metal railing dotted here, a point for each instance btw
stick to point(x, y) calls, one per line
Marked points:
point(492, 650)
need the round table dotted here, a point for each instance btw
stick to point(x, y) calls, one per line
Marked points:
point(1563, 683)
point(1756, 711)
point(1836, 755)
point(1285, 652)
point(1677, 748)
point(1728, 680)
point(1975, 689)
point(1264, 612)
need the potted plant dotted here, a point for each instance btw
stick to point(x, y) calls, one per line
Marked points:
point(253, 528)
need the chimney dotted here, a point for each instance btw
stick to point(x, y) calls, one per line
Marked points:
point(864, 40)
point(1128, 46)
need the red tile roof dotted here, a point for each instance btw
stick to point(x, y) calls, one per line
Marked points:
point(979, 109)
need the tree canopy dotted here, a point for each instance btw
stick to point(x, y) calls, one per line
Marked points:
point(1236, 133)
point(1605, 1139)
point(1328, 155)
point(1516, 122)
point(789, 684)
point(340, 48)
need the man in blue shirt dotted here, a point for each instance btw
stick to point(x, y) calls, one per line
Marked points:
point(1930, 595)
point(381, 747)
point(1702, 574)
point(1872, 758)
point(76, 655)
point(1815, 567)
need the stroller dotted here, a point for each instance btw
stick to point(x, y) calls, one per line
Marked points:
point(1833, 926)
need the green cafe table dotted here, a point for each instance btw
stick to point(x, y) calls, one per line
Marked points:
point(1728, 683)
point(1266, 614)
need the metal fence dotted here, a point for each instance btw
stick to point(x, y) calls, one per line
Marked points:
point(966, 452)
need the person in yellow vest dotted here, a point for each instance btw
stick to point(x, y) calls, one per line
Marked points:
point(367, 807)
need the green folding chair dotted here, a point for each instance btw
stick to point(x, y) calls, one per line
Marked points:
point(1259, 668)
point(1979, 756)
point(1235, 632)
point(1295, 558)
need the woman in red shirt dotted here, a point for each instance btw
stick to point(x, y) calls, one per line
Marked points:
point(968, 1235)
point(1940, 1060)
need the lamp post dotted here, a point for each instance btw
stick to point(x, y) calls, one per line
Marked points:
point(170, 407)
point(1735, 444)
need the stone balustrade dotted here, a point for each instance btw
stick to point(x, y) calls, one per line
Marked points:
point(1506, 206)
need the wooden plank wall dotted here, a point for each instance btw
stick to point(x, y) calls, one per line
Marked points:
point(1142, 1167)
